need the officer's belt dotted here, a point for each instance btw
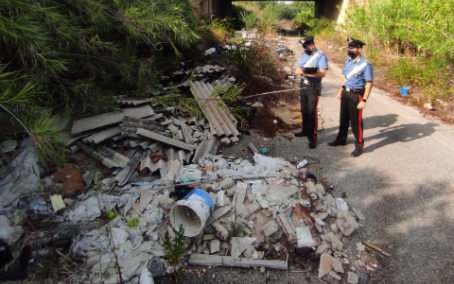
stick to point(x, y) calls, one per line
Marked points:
point(309, 83)
point(355, 91)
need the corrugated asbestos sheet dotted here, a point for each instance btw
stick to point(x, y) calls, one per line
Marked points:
point(142, 141)
point(216, 113)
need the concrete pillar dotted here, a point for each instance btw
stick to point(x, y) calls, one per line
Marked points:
point(328, 8)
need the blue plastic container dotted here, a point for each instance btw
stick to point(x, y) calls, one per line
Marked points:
point(404, 91)
point(192, 212)
point(200, 194)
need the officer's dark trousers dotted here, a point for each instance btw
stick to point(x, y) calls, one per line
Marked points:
point(349, 112)
point(309, 95)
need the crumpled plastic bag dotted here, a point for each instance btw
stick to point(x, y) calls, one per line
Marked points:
point(270, 163)
point(341, 205)
point(189, 174)
point(217, 162)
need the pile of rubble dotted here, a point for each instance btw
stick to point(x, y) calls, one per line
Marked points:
point(153, 157)
point(268, 206)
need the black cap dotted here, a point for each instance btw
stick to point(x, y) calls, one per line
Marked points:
point(355, 42)
point(307, 40)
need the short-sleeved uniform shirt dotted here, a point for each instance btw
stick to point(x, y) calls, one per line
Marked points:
point(360, 76)
point(321, 61)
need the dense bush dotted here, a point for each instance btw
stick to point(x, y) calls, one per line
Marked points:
point(69, 57)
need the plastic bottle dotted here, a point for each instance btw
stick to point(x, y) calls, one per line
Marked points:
point(146, 277)
point(301, 164)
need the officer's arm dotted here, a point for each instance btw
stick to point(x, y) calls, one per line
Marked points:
point(367, 90)
point(319, 74)
point(339, 94)
point(369, 76)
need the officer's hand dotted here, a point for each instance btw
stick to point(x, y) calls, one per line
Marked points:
point(339, 96)
point(299, 71)
point(361, 105)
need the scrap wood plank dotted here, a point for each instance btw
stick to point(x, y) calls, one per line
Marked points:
point(204, 259)
point(372, 246)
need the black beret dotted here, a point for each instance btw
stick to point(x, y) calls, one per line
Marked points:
point(355, 42)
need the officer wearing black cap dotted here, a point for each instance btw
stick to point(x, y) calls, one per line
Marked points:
point(312, 66)
point(358, 80)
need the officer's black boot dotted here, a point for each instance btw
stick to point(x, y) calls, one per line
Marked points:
point(358, 150)
point(338, 142)
point(300, 134)
point(312, 144)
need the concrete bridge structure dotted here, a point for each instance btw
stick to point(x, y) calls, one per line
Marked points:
point(330, 9)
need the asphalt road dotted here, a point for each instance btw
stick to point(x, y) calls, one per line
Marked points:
point(403, 183)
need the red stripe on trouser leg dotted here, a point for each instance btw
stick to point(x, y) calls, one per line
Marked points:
point(316, 119)
point(360, 125)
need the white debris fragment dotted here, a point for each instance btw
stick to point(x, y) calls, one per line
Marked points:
point(346, 223)
point(270, 228)
point(304, 237)
point(360, 247)
point(10, 234)
point(352, 278)
point(87, 210)
point(341, 205)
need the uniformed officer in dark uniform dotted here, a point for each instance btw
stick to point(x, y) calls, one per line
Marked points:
point(355, 90)
point(311, 86)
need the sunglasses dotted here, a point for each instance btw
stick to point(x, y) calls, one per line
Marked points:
point(352, 47)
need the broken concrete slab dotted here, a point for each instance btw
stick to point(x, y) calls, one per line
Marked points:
point(163, 139)
point(221, 232)
point(110, 118)
point(336, 243)
point(352, 278)
point(276, 194)
point(226, 183)
point(337, 266)
point(326, 264)
point(322, 248)
point(215, 246)
point(270, 228)
point(346, 223)
point(287, 227)
point(241, 246)
point(251, 209)
point(229, 261)
point(334, 275)
point(145, 199)
point(102, 135)
point(240, 194)
point(208, 237)
point(358, 214)
point(218, 213)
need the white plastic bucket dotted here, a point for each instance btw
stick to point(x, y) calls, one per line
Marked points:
point(191, 212)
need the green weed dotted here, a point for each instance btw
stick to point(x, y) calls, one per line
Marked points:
point(174, 250)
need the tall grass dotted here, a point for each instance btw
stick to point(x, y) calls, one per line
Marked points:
point(416, 38)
